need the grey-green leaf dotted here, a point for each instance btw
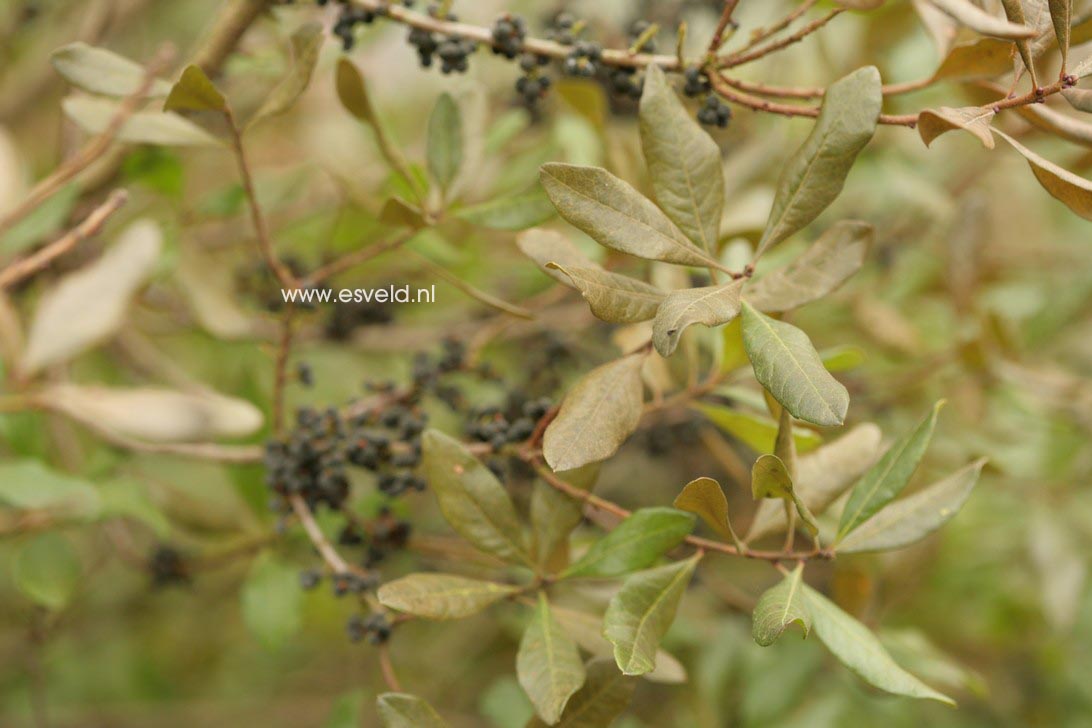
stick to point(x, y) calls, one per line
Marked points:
point(554, 515)
point(549, 246)
point(94, 115)
point(787, 365)
point(272, 601)
point(1075, 192)
point(887, 478)
point(597, 415)
point(306, 44)
point(709, 306)
point(821, 269)
point(515, 212)
point(616, 215)
point(442, 596)
point(913, 518)
point(1061, 15)
point(445, 140)
point(548, 664)
point(30, 485)
point(472, 499)
point(779, 607)
point(977, 19)
point(859, 650)
point(641, 612)
point(683, 162)
point(973, 119)
point(816, 173)
point(605, 694)
point(770, 479)
point(639, 541)
point(402, 710)
point(613, 297)
point(103, 72)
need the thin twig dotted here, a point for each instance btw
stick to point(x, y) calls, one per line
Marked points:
point(355, 258)
point(762, 34)
point(387, 668)
point(28, 266)
point(280, 368)
point(722, 25)
point(738, 59)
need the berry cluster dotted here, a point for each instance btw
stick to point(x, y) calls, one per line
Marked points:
point(584, 59)
point(696, 83)
point(563, 30)
point(347, 21)
point(376, 628)
point(508, 34)
point(715, 112)
point(167, 566)
point(498, 427)
point(453, 51)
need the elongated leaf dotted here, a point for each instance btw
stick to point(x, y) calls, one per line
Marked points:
point(272, 601)
point(549, 246)
point(605, 694)
point(1061, 12)
point(306, 44)
point(638, 542)
point(822, 476)
point(770, 479)
point(587, 631)
point(977, 19)
point(787, 365)
point(402, 710)
point(1079, 98)
point(859, 650)
point(353, 92)
point(472, 499)
point(596, 416)
point(94, 115)
point(1073, 191)
point(704, 497)
point(616, 215)
point(709, 306)
point(821, 269)
point(548, 664)
point(102, 72)
point(974, 119)
point(89, 306)
point(757, 432)
point(816, 173)
point(155, 414)
point(779, 607)
point(640, 614)
point(1057, 123)
point(194, 92)
point(442, 596)
point(983, 58)
point(517, 212)
point(47, 569)
point(613, 297)
point(1014, 12)
point(887, 478)
point(683, 162)
point(912, 519)
point(445, 140)
point(30, 485)
point(554, 515)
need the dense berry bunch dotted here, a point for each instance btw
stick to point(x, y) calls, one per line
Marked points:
point(425, 42)
point(349, 18)
point(508, 34)
point(376, 628)
point(584, 59)
point(563, 30)
point(696, 82)
point(714, 112)
point(515, 423)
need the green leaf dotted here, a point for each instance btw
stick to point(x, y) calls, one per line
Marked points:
point(709, 306)
point(31, 485)
point(913, 518)
point(306, 44)
point(779, 607)
point(815, 175)
point(353, 92)
point(442, 596)
point(821, 269)
point(977, 19)
point(47, 569)
point(605, 694)
point(613, 297)
point(842, 358)
point(398, 212)
point(641, 612)
point(637, 542)
point(554, 515)
point(704, 497)
point(683, 162)
point(402, 710)
point(548, 664)
point(886, 479)
point(42, 222)
point(859, 650)
point(472, 499)
point(787, 365)
point(517, 212)
point(597, 415)
point(757, 432)
point(272, 601)
point(617, 216)
point(103, 72)
point(770, 479)
point(94, 116)
point(445, 140)
point(822, 476)
point(1061, 12)
point(195, 92)
point(587, 631)
point(974, 119)
point(1073, 191)
point(347, 710)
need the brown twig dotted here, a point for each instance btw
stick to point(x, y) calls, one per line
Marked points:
point(322, 544)
point(738, 59)
point(762, 34)
point(28, 266)
point(387, 668)
point(280, 368)
point(227, 32)
point(355, 258)
point(722, 25)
